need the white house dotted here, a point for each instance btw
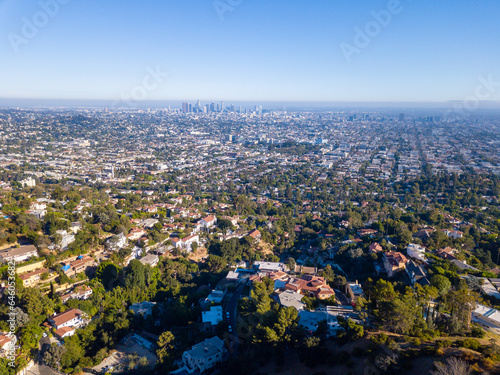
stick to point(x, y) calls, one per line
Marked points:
point(81, 292)
point(66, 239)
point(70, 318)
point(213, 316)
point(487, 317)
point(186, 242)
point(64, 332)
point(38, 206)
point(270, 266)
point(208, 222)
point(18, 254)
point(453, 233)
point(416, 251)
point(39, 214)
point(116, 242)
point(291, 298)
point(136, 233)
point(205, 355)
point(150, 259)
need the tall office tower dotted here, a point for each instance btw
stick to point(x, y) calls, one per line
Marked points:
point(232, 107)
point(401, 117)
point(185, 107)
point(190, 108)
point(222, 106)
point(205, 108)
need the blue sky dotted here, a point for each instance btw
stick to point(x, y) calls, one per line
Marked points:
point(283, 50)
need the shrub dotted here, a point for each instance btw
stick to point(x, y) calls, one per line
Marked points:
point(471, 344)
point(416, 341)
point(478, 332)
point(383, 338)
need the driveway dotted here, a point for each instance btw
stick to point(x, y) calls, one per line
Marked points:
point(41, 370)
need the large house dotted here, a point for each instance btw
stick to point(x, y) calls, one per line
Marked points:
point(424, 233)
point(80, 292)
point(262, 266)
point(136, 233)
point(150, 259)
point(5, 344)
point(353, 291)
point(205, 355)
point(186, 242)
point(375, 248)
point(367, 232)
point(290, 298)
point(66, 239)
point(208, 222)
point(312, 286)
point(79, 265)
point(18, 254)
point(394, 262)
point(453, 233)
point(32, 278)
point(255, 235)
point(117, 242)
point(213, 316)
point(487, 317)
point(416, 274)
point(70, 318)
point(447, 253)
point(416, 251)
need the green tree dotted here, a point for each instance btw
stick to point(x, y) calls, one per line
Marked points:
point(216, 263)
point(165, 345)
point(441, 283)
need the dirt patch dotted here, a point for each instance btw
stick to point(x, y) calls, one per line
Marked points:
point(132, 345)
point(199, 255)
point(264, 248)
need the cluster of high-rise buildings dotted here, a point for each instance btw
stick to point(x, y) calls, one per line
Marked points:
point(214, 107)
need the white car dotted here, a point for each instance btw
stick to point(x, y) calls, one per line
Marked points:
point(44, 334)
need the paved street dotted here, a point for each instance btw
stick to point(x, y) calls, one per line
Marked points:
point(233, 314)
